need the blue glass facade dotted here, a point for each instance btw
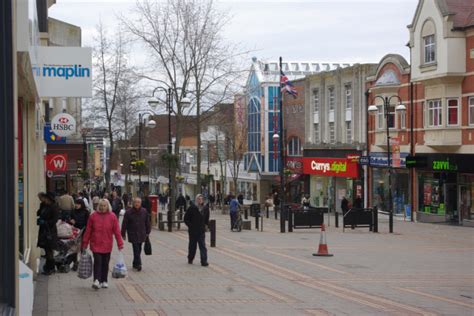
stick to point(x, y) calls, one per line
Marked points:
point(253, 158)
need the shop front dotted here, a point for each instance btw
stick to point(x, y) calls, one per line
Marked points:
point(445, 187)
point(400, 182)
point(332, 179)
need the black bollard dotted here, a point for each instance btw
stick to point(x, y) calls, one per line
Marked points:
point(257, 215)
point(290, 219)
point(161, 224)
point(375, 214)
point(212, 228)
point(336, 217)
point(268, 211)
point(246, 213)
point(276, 212)
point(170, 221)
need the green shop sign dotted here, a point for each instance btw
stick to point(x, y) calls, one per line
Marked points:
point(444, 165)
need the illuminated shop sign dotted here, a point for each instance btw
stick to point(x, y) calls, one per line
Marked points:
point(331, 167)
point(444, 165)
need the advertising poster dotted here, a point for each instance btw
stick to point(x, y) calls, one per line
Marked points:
point(427, 195)
point(395, 148)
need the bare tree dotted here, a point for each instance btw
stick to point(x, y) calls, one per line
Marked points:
point(184, 41)
point(112, 89)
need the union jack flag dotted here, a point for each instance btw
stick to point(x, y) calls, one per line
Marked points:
point(287, 86)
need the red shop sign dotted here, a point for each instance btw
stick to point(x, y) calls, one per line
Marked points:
point(331, 167)
point(56, 162)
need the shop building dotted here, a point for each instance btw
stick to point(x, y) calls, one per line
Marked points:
point(442, 65)
point(391, 80)
point(262, 95)
point(335, 133)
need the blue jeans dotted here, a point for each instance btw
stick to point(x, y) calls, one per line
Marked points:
point(195, 240)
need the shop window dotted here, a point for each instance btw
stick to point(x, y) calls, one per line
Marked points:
point(332, 133)
point(348, 89)
point(316, 133)
point(294, 147)
point(471, 110)
point(349, 132)
point(331, 99)
point(391, 116)
point(380, 117)
point(430, 49)
point(434, 113)
point(453, 112)
point(316, 100)
point(403, 120)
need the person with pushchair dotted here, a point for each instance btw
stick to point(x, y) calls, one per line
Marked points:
point(79, 218)
point(48, 215)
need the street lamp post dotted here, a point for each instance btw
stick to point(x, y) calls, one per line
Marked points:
point(153, 102)
point(151, 124)
point(386, 107)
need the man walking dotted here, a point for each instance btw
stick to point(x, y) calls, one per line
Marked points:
point(116, 203)
point(136, 223)
point(197, 219)
point(66, 205)
point(234, 208)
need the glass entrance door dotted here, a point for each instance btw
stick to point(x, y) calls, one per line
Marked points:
point(451, 200)
point(464, 202)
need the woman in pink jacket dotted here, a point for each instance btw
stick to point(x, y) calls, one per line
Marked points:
point(101, 227)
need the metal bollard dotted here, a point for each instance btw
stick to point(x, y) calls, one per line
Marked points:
point(161, 224)
point(261, 224)
point(336, 217)
point(276, 212)
point(170, 221)
point(375, 214)
point(268, 211)
point(212, 228)
point(290, 219)
point(246, 213)
point(257, 216)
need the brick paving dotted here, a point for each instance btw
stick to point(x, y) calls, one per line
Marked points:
point(421, 269)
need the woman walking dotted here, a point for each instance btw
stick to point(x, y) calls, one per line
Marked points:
point(48, 215)
point(100, 229)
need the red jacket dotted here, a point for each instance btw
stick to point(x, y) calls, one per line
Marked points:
point(99, 232)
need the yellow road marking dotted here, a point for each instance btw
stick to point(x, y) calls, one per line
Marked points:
point(436, 297)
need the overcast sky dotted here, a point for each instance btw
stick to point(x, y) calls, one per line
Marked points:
point(305, 30)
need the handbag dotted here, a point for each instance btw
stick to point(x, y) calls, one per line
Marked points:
point(147, 247)
point(84, 271)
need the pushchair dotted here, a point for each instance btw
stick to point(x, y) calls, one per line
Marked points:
point(238, 221)
point(67, 250)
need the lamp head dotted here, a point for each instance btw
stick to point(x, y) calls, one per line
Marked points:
point(151, 124)
point(153, 102)
point(185, 102)
point(401, 108)
point(373, 109)
point(276, 137)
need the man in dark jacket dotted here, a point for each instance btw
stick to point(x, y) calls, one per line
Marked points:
point(180, 202)
point(48, 215)
point(116, 204)
point(197, 219)
point(136, 223)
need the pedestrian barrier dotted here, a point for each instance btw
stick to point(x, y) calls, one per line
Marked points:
point(323, 247)
point(361, 217)
point(255, 209)
point(175, 219)
point(312, 217)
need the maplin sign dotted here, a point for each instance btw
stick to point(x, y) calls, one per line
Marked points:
point(63, 125)
point(64, 72)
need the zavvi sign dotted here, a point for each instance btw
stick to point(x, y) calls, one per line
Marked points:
point(63, 125)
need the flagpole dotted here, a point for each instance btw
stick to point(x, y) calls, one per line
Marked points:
point(282, 179)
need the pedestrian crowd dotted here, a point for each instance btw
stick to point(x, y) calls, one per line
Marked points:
point(69, 225)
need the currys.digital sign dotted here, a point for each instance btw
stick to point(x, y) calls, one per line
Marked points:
point(331, 167)
point(64, 71)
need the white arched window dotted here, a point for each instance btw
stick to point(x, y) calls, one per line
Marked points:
point(294, 147)
point(428, 36)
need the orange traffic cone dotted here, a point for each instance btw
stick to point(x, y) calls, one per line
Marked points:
point(323, 247)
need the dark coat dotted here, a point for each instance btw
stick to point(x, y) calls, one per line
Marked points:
point(116, 205)
point(195, 220)
point(181, 201)
point(344, 205)
point(48, 216)
point(80, 217)
point(136, 223)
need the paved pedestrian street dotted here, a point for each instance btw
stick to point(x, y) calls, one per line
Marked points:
point(421, 269)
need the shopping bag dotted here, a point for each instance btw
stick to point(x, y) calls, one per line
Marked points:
point(64, 229)
point(120, 269)
point(84, 271)
point(147, 246)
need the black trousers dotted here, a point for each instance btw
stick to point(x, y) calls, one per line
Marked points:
point(137, 251)
point(194, 240)
point(50, 263)
point(233, 219)
point(101, 266)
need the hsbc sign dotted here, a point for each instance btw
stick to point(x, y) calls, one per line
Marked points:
point(56, 162)
point(63, 125)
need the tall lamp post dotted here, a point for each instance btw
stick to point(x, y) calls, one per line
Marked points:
point(386, 107)
point(153, 102)
point(150, 124)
